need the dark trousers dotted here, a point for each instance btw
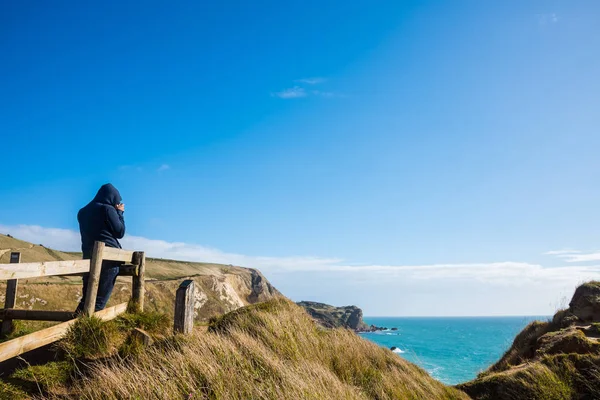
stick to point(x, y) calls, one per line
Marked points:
point(108, 276)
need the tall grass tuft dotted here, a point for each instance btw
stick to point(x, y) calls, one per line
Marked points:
point(89, 338)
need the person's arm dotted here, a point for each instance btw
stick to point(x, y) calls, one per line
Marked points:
point(116, 222)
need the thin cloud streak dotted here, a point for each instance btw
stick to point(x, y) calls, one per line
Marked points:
point(312, 81)
point(561, 252)
point(575, 256)
point(299, 91)
point(291, 93)
point(497, 273)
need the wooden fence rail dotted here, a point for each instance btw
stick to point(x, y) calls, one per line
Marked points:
point(35, 340)
point(134, 266)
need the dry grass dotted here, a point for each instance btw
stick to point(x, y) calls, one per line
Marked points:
point(272, 350)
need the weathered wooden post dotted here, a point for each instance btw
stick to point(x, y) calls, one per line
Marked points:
point(93, 279)
point(138, 289)
point(184, 308)
point(11, 296)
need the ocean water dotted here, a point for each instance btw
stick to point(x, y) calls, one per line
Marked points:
point(451, 349)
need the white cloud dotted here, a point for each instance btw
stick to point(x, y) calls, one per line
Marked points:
point(163, 167)
point(561, 252)
point(312, 81)
point(300, 91)
point(291, 93)
point(56, 238)
point(575, 256)
point(497, 273)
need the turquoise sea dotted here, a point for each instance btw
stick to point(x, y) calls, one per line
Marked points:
point(451, 349)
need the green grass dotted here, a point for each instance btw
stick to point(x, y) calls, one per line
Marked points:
point(44, 378)
point(19, 329)
point(152, 322)
point(92, 338)
point(89, 338)
point(9, 391)
point(553, 377)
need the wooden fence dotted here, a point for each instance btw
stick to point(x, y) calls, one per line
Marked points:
point(135, 263)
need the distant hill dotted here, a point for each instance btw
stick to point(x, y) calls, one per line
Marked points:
point(220, 288)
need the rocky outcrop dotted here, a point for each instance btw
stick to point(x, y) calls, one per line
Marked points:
point(328, 316)
point(260, 288)
point(557, 359)
point(585, 304)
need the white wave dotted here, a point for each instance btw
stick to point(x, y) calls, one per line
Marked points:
point(398, 350)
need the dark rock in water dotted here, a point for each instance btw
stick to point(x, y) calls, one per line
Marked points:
point(374, 328)
point(393, 348)
point(394, 329)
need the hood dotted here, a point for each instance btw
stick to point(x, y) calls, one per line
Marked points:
point(108, 194)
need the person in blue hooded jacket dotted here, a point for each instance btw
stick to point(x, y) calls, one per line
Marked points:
point(102, 220)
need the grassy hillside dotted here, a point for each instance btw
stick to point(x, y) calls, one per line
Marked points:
point(550, 360)
point(272, 350)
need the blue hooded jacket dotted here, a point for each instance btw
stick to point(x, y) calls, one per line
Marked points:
point(101, 221)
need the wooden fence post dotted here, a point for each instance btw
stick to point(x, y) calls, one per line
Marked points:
point(184, 308)
point(138, 289)
point(93, 279)
point(11, 296)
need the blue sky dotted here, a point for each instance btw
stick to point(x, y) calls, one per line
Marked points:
point(398, 156)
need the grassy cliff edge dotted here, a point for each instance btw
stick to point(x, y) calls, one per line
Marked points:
point(550, 360)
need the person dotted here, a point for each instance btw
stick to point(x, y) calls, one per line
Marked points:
point(102, 220)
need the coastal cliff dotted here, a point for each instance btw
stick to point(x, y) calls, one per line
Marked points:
point(555, 359)
point(328, 316)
